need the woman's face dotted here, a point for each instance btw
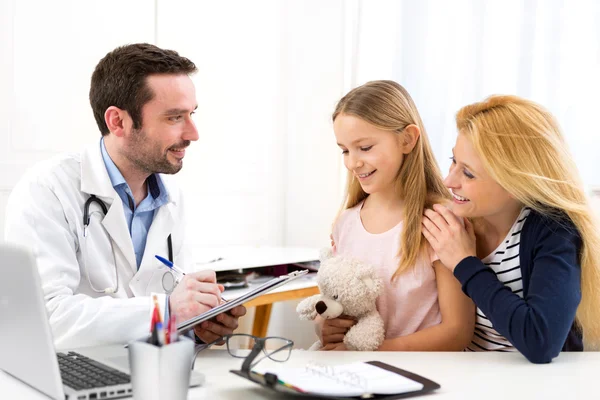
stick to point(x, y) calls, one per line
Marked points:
point(475, 193)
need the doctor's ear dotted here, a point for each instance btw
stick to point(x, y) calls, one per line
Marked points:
point(116, 120)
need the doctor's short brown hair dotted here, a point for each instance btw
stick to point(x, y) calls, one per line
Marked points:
point(120, 79)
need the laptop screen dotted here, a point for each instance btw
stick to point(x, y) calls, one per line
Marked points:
point(27, 346)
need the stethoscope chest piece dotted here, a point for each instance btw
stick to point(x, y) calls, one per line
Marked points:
point(169, 282)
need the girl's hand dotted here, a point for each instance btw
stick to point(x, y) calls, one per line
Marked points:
point(332, 243)
point(335, 347)
point(334, 330)
point(449, 239)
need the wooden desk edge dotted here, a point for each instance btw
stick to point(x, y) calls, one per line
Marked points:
point(264, 304)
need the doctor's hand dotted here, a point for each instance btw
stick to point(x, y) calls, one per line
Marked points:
point(219, 326)
point(197, 292)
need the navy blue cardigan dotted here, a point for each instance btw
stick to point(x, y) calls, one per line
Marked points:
point(542, 323)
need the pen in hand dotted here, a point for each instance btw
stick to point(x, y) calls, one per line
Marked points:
point(170, 265)
point(177, 270)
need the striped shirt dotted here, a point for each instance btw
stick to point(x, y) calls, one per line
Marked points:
point(505, 263)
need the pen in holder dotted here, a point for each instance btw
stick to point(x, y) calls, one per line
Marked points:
point(161, 372)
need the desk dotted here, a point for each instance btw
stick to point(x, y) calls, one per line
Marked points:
point(463, 376)
point(264, 304)
point(255, 258)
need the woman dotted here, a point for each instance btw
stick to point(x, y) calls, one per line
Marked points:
point(530, 257)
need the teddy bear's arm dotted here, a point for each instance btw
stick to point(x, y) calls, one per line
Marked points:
point(306, 308)
point(367, 334)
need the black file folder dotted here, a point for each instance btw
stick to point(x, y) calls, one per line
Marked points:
point(271, 382)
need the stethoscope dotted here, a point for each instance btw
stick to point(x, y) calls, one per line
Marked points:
point(168, 280)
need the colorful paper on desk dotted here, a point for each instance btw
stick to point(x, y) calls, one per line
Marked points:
point(258, 291)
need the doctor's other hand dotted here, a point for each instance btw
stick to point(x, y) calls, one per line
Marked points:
point(334, 330)
point(219, 326)
point(197, 292)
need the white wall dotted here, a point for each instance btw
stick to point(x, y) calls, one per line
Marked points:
point(270, 75)
point(266, 169)
point(48, 57)
point(452, 53)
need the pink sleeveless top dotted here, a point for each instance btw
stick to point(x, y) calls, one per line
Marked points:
point(408, 304)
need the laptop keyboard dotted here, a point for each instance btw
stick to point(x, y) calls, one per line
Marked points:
point(81, 372)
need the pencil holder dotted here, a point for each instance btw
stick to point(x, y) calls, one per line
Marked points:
point(161, 372)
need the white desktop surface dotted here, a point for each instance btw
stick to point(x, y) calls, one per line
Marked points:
point(480, 376)
point(242, 257)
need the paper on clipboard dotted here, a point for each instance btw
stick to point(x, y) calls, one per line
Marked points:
point(260, 290)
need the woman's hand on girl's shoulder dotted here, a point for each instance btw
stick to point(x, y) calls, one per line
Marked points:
point(451, 237)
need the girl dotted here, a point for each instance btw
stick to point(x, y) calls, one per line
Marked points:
point(392, 176)
point(532, 252)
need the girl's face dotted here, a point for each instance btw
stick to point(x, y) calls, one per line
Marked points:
point(373, 155)
point(475, 193)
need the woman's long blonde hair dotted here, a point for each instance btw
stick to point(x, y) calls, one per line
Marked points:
point(388, 106)
point(522, 148)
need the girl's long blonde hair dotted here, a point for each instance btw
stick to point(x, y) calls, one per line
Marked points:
point(388, 106)
point(522, 149)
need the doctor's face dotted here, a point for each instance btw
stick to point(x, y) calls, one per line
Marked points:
point(167, 125)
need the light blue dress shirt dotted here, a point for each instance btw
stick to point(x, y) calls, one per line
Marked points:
point(139, 219)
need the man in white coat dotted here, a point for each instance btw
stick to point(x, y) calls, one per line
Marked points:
point(96, 220)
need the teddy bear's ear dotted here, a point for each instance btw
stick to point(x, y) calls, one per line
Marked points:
point(326, 252)
point(373, 284)
point(369, 282)
point(369, 277)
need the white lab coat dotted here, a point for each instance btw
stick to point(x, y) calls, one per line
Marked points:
point(45, 212)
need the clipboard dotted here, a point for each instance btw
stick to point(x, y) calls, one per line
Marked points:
point(273, 384)
point(258, 291)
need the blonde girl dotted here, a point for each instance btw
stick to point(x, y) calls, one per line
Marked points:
point(392, 178)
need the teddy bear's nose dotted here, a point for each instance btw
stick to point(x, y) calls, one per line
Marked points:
point(321, 307)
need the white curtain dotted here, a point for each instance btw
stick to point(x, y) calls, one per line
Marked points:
point(451, 53)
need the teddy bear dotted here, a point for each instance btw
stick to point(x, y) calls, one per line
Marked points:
point(348, 287)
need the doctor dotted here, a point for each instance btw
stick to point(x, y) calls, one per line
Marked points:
point(97, 219)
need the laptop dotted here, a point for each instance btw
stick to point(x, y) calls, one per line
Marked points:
point(27, 346)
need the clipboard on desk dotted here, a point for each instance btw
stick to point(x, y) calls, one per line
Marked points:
point(383, 382)
point(258, 291)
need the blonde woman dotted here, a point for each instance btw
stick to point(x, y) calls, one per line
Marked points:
point(530, 259)
point(392, 177)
